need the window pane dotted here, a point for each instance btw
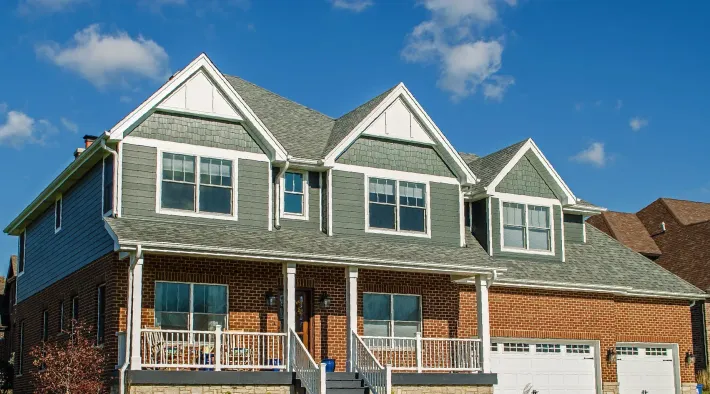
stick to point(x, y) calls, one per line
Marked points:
point(513, 214)
point(412, 219)
point(412, 194)
point(189, 168)
point(168, 166)
point(382, 190)
point(293, 203)
point(294, 182)
point(406, 308)
point(215, 199)
point(172, 297)
point(377, 328)
point(382, 216)
point(514, 237)
point(538, 217)
point(209, 299)
point(406, 329)
point(376, 306)
point(171, 321)
point(539, 239)
point(208, 322)
point(178, 196)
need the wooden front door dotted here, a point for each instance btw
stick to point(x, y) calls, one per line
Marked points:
point(304, 317)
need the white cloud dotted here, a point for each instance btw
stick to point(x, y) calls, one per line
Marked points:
point(619, 104)
point(352, 5)
point(47, 6)
point(124, 99)
point(594, 155)
point(637, 123)
point(449, 39)
point(20, 129)
point(105, 59)
point(69, 125)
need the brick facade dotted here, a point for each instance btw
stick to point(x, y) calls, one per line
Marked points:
point(448, 309)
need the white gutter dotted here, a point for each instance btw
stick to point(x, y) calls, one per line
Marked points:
point(277, 196)
point(129, 311)
point(114, 184)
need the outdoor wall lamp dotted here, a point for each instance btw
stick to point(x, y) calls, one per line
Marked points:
point(689, 358)
point(270, 298)
point(611, 356)
point(324, 300)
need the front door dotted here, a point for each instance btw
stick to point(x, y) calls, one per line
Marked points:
point(304, 316)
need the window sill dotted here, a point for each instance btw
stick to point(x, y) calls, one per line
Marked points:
point(192, 214)
point(395, 232)
point(57, 230)
point(528, 251)
point(293, 216)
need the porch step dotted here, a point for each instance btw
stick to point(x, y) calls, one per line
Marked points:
point(345, 383)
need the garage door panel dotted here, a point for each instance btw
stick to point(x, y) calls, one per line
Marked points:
point(648, 369)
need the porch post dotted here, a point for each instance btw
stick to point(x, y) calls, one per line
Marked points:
point(484, 322)
point(289, 271)
point(351, 274)
point(136, 311)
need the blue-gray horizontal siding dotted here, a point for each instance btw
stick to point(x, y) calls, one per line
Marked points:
point(140, 179)
point(349, 210)
point(314, 201)
point(574, 228)
point(400, 156)
point(50, 257)
point(496, 236)
point(197, 131)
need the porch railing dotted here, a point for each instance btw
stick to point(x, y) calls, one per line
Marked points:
point(215, 350)
point(311, 375)
point(377, 377)
point(427, 354)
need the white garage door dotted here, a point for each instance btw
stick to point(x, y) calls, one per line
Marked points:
point(543, 368)
point(645, 370)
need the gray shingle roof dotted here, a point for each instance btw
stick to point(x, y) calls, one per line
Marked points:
point(469, 158)
point(601, 262)
point(487, 167)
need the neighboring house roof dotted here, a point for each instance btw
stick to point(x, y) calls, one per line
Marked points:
point(12, 268)
point(601, 264)
point(688, 212)
point(488, 167)
point(628, 229)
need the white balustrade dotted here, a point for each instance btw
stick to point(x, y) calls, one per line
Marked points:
point(427, 354)
point(252, 350)
point(311, 375)
point(377, 377)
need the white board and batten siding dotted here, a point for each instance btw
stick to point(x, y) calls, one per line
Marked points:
point(199, 96)
point(397, 122)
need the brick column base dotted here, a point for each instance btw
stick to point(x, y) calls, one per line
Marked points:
point(610, 388)
point(688, 388)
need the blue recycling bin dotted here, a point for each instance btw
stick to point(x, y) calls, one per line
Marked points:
point(275, 361)
point(700, 388)
point(329, 364)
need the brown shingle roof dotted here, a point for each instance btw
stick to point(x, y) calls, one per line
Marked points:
point(628, 229)
point(688, 212)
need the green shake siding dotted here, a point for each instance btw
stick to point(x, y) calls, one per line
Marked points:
point(139, 188)
point(349, 210)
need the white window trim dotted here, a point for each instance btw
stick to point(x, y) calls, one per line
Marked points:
point(391, 321)
point(528, 201)
point(427, 209)
point(21, 244)
point(74, 299)
point(59, 200)
point(178, 212)
point(104, 213)
point(190, 314)
point(282, 181)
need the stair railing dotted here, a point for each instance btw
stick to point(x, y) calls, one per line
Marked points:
point(311, 375)
point(377, 377)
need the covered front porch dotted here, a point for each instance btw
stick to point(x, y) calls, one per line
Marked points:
point(201, 315)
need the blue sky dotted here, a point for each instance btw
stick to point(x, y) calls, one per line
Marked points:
point(614, 93)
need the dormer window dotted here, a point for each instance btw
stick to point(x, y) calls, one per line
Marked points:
point(526, 228)
point(294, 194)
point(397, 206)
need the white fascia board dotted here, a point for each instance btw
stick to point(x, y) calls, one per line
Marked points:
point(531, 146)
point(443, 146)
point(202, 62)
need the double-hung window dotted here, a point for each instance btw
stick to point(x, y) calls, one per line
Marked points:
point(391, 315)
point(211, 192)
point(294, 203)
point(108, 186)
point(397, 205)
point(190, 306)
point(526, 227)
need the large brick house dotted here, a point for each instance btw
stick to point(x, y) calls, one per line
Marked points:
point(676, 235)
point(219, 230)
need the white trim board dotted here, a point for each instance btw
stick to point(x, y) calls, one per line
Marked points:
point(393, 174)
point(201, 64)
point(305, 195)
point(442, 144)
point(397, 232)
point(551, 215)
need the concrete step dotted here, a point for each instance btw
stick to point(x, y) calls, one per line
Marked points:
point(341, 376)
point(344, 384)
point(361, 390)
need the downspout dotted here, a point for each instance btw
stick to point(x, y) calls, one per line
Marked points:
point(114, 185)
point(277, 197)
point(129, 324)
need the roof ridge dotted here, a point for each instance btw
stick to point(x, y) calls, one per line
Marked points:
point(386, 92)
point(280, 96)
point(504, 148)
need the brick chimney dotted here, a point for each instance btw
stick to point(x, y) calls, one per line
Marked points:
point(88, 140)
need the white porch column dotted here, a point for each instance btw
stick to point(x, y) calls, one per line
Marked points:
point(289, 271)
point(136, 311)
point(351, 313)
point(484, 321)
